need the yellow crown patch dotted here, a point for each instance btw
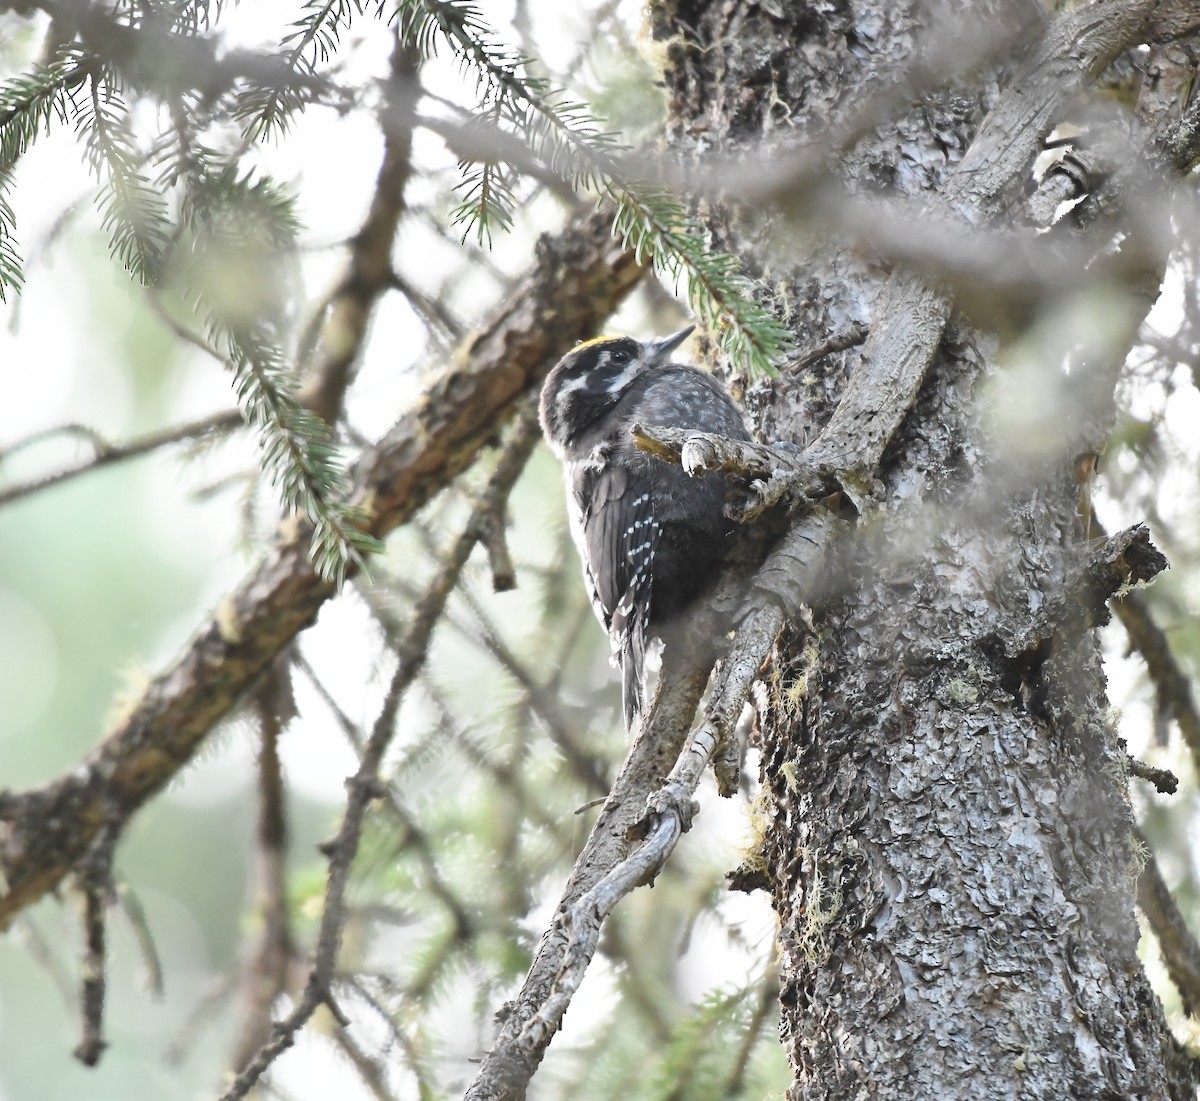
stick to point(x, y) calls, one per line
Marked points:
point(596, 340)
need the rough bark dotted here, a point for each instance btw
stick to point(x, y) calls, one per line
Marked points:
point(949, 840)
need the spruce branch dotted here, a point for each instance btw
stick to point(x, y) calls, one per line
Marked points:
point(133, 212)
point(656, 226)
point(296, 449)
point(567, 137)
point(488, 201)
point(580, 277)
point(28, 103)
point(244, 224)
point(266, 109)
point(10, 258)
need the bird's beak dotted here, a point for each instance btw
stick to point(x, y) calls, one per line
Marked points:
point(657, 354)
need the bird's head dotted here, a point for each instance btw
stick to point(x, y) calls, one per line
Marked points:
point(592, 377)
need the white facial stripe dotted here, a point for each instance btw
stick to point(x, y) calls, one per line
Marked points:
point(570, 387)
point(622, 380)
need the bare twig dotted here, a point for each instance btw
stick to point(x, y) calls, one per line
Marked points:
point(431, 309)
point(1164, 780)
point(369, 268)
point(95, 883)
point(370, 1071)
point(850, 337)
point(493, 536)
point(414, 839)
point(1172, 684)
point(670, 812)
point(365, 786)
point(95, 963)
point(107, 453)
point(265, 975)
point(135, 914)
point(508, 1067)
point(764, 1003)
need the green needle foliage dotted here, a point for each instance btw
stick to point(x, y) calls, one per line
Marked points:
point(10, 259)
point(567, 137)
point(241, 228)
point(133, 213)
point(265, 109)
point(28, 104)
point(234, 231)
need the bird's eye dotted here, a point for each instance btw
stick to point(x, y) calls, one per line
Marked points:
point(620, 356)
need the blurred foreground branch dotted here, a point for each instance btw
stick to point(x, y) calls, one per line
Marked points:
point(1181, 952)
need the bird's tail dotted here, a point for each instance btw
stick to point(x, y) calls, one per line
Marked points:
point(633, 661)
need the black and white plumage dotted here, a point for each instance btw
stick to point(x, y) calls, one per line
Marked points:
point(649, 535)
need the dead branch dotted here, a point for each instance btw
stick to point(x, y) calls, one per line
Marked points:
point(96, 887)
point(414, 838)
point(776, 472)
point(264, 977)
point(1108, 567)
point(368, 273)
point(1180, 951)
point(648, 803)
point(1164, 780)
point(1172, 684)
point(508, 1067)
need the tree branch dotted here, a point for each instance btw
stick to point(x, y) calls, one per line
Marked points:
point(368, 273)
point(96, 886)
point(1108, 567)
point(507, 1069)
point(263, 977)
point(366, 785)
point(108, 453)
point(1172, 684)
point(1180, 951)
point(911, 314)
point(579, 279)
point(649, 803)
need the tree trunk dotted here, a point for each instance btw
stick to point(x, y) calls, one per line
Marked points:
point(947, 830)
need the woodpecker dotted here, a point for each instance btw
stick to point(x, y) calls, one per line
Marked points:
point(650, 536)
